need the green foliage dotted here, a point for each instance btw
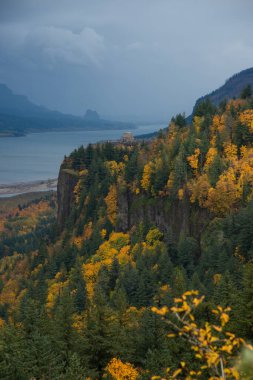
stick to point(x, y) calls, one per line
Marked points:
point(183, 220)
point(204, 108)
point(153, 236)
point(179, 120)
point(246, 92)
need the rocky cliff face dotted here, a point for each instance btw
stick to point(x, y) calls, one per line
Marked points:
point(67, 181)
point(176, 218)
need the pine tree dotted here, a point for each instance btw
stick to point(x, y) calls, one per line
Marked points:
point(246, 92)
point(244, 304)
point(179, 281)
point(78, 285)
point(63, 333)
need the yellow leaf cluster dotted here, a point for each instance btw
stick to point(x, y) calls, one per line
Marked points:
point(213, 346)
point(224, 196)
point(77, 191)
point(199, 189)
point(78, 241)
point(246, 118)
point(117, 246)
point(235, 103)
point(210, 156)
point(114, 167)
point(87, 232)
point(218, 124)
point(230, 186)
point(83, 173)
point(180, 194)
point(145, 181)
point(230, 151)
point(103, 233)
point(54, 290)
point(171, 181)
point(194, 160)
point(111, 203)
point(121, 371)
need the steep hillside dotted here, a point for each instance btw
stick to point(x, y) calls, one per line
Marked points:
point(18, 105)
point(232, 87)
point(138, 225)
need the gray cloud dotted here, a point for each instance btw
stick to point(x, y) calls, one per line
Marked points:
point(60, 45)
point(127, 59)
point(50, 45)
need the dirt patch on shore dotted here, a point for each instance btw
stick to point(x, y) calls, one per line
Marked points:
point(28, 187)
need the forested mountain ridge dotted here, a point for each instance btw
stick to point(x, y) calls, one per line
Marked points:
point(232, 88)
point(18, 116)
point(137, 226)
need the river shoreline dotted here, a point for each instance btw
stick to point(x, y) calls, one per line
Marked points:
point(9, 190)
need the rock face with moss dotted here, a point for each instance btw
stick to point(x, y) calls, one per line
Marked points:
point(67, 181)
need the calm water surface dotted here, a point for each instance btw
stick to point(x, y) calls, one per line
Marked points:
point(38, 156)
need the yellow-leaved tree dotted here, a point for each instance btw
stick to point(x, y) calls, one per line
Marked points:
point(194, 160)
point(111, 203)
point(215, 349)
point(117, 370)
point(145, 182)
point(224, 196)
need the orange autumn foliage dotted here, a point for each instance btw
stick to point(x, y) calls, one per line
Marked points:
point(194, 160)
point(180, 194)
point(230, 152)
point(210, 156)
point(121, 371)
point(145, 182)
point(199, 189)
point(87, 232)
point(114, 167)
point(117, 246)
point(213, 346)
point(224, 196)
point(55, 289)
point(246, 118)
point(24, 220)
point(111, 203)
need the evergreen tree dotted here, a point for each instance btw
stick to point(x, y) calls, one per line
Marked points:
point(246, 92)
point(63, 333)
point(244, 304)
point(77, 283)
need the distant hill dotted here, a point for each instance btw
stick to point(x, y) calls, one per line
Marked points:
point(18, 116)
point(91, 115)
point(19, 105)
point(232, 87)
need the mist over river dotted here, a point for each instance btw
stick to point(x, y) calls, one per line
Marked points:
point(38, 156)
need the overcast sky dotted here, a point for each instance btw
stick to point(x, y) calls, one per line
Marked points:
point(128, 59)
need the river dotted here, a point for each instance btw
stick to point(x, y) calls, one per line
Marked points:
point(38, 156)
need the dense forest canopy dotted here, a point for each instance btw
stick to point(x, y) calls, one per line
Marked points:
point(138, 226)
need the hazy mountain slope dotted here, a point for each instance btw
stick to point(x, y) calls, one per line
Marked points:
point(232, 87)
point(20, 105)
point(18, 115)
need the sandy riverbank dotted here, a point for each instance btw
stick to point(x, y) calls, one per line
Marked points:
point(28, 187)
